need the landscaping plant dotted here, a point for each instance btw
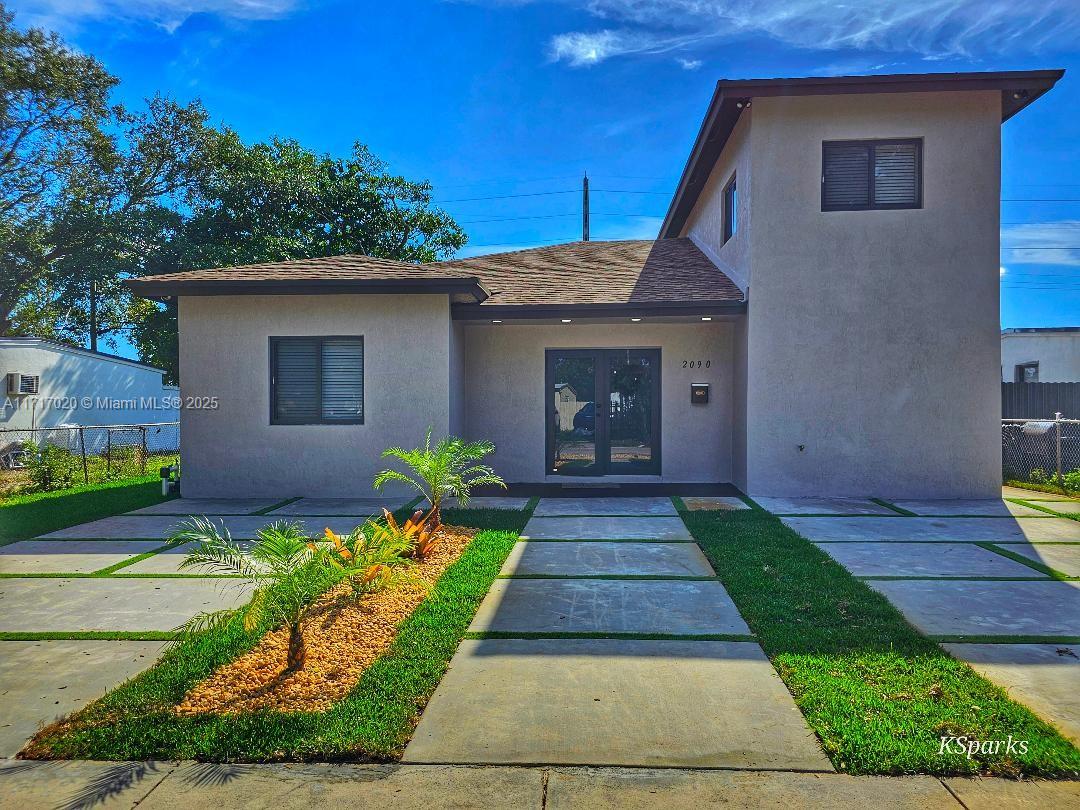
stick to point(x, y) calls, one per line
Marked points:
point(373, 556)
point(447, 469)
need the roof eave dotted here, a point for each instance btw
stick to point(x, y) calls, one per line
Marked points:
point(1018, 89)
point(465, 289)
point(644, 309)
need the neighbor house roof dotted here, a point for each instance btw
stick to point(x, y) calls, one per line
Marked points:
point(28, 341)
point(584, 277)
point(1018, 88)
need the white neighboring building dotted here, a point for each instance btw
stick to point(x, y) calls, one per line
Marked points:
point(1049, 354)
point(47, 384)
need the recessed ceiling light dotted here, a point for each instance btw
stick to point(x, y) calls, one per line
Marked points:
point(635, 320)
point(706, 318)
point(496, 321)
point(566, 320)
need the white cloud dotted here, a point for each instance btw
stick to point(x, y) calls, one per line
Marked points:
point(689, 64)
point(1004, 270)
point(1043, 243)
point(932, 29)
point(168, 14)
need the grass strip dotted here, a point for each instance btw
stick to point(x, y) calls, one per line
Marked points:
point(1045, 488)
point(27, 516)
point(506, 634)
point(104, 572)
point(894, 507)
point(268, 509)
point(1053, 573)
point(92, 635)
point(373, 723)
point(923, 578)
point(947, 639)
point(507, 520)
point(877, 693)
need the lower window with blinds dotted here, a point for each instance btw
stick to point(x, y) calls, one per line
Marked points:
point(317, 380)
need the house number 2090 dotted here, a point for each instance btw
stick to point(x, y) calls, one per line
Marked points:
point(697, 363)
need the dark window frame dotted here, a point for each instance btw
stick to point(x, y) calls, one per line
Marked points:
point(275, 340)
point(730, 196)
point(1018, 370)
point(871, 144)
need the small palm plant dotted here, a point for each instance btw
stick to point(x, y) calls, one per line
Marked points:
point(288, 570)
point(448, 469)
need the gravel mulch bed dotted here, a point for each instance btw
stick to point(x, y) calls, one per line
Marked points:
point(344, 635)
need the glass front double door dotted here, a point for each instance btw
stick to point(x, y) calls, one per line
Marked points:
point(603, 411)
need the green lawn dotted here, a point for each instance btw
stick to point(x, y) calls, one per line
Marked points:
point(26, 516)
point(877, 693)
point(374, 722)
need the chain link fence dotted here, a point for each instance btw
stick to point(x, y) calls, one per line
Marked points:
point(44, 459)
point(1041, 451)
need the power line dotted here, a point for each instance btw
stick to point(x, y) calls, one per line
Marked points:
point(511, 196)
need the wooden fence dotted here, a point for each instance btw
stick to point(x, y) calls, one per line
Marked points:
point(1040, 400)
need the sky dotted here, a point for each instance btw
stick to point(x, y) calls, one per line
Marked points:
point(504, 104)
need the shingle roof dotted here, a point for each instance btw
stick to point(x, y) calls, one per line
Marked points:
point(626, 272)
point(666, 271)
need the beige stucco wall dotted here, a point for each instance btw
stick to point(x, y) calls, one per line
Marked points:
point(872, 348)
point(1058, 355)
point(234, 451)
point(705, 225)
point(506, 399)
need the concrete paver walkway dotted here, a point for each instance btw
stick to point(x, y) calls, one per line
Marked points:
point(599, 698)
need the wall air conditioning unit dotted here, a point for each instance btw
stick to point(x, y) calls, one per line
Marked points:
point(20, 385)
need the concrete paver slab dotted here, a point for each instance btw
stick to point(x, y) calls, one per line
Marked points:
point(604, 506)
point(207, 506)
point(598, 702)
point(1064, 557)
point(924, 560)
point(243, 527)
point(40, 681)
point(608, 606)
point(823, 506)
point(1031, 494)
point(592, 558)
point(1044, 677)
point(69, 556)
point(721, 503)
point(1049, 608)
point(168, 562)
point(648, 789)
point(926, 529)
point(78, 784)
point(985, 507)
point(1061, 507)
point(42, 605)
point(995, 794)
point(341, 506)
point(661, 529)
point(495, 502)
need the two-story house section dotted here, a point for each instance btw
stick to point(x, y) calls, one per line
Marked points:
point(819, 316)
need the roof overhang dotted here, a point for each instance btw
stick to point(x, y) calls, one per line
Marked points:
point(545, 312)
point(460, 290)
point(1018, 89)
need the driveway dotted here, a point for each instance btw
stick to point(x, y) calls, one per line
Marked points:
point(997, 582)
point(124, 587)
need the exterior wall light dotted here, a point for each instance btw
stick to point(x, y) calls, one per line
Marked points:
point(496, 321)
point(566, 320)
point(706, 317)
point(636, 320)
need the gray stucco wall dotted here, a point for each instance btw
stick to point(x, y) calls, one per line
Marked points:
point(234, 451)
point(873, 335)
point(705, 225)
point(1058, 355)
point(506, 398)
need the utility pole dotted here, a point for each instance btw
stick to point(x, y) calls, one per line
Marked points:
point(585, 208)
point(93, 315)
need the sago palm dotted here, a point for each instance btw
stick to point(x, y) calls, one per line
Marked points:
point(446, 470)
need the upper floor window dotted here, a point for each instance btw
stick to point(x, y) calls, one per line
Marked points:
point(1027, 372)
point(731, 209)
point(863, 175)
point(316, 380)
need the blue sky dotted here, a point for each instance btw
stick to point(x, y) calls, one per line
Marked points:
point(512, 97)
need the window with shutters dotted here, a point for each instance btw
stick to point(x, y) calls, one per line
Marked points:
point(865, 175)
point(316, 380)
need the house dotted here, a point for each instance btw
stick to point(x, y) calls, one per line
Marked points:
point(1050, 354)
point(48, 384)
point(819, 316)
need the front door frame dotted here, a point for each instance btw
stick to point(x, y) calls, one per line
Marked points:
point(601, 439)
